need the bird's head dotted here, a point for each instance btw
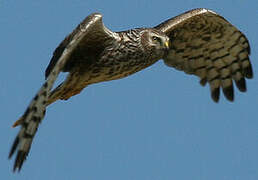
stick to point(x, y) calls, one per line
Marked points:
point(156, 41)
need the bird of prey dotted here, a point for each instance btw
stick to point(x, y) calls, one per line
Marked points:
point(198, 42)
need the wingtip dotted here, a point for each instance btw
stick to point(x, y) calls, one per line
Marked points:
point(229, 93)
point(241, 84)
point(215, 93)
point(20, 158)
point(14, 147)
point(248, 71)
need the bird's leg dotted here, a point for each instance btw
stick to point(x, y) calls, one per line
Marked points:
point(18, 122)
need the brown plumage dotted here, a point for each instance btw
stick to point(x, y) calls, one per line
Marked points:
point(207, 45)
point(198, 42)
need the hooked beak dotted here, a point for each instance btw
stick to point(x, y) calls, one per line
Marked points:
point(167, 44)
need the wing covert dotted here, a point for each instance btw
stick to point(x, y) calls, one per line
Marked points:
point(205, 44)
point(92, 33)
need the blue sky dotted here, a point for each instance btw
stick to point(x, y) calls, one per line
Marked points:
point(158, 124)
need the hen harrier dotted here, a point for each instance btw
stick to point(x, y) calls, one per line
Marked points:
point(198, 42)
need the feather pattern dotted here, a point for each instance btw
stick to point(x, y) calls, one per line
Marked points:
point(205, 44)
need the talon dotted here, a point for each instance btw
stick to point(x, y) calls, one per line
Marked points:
point(18, 122)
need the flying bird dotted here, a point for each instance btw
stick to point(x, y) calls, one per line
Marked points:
point(198, 42)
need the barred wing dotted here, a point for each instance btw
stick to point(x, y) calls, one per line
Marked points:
point(91, 32)
point(205, 44)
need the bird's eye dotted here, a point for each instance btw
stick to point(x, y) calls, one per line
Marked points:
point(155, 38)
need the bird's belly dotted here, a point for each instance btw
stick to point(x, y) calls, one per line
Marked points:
point(108, 73)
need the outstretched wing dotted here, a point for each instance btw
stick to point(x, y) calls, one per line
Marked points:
point(205, 44)
point(90, 32)
point(90, 43)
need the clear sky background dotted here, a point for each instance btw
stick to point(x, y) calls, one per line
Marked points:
point(158, 124)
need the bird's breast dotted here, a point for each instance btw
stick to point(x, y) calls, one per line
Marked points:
point(118, 61)
point(118, 65)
